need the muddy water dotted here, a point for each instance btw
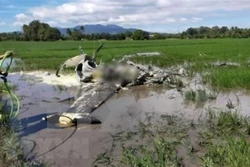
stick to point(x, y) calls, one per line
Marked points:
point(79, 146)
point(8, 60)
point(129, 106)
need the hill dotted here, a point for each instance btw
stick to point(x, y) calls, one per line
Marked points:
point(98, 28)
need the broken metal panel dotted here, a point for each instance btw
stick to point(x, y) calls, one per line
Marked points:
point(92, 95)
point(84, 70)
point(72, 62)
point(84, 65)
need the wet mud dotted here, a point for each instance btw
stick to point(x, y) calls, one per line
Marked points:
point(42, 95)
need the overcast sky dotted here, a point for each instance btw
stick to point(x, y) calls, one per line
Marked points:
point(151, 15)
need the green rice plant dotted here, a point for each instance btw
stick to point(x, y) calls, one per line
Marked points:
point(49, 55)
point(202, 96)
point(231, 78)
point(230, 104)
point(190, 95)
point(212, 95)
point(228, 122)
point(11, 153)
point(163, 153)
point(231, 121)
point(220, 139)
point(231, 152)
point(225, 136)
point(199, 97)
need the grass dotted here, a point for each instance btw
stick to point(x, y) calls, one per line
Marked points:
point(232, 152)
point(49, 55)
point(237, 77)
point(220, 139)
point(143, 156)
point(11, 154)
point(198, 97)
point(231, 147)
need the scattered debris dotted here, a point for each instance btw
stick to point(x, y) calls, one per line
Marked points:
point(221, 64)
point(47, 73)
point(141, 54)
point(103, 81)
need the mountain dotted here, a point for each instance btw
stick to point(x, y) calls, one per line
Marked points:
point(98, 28)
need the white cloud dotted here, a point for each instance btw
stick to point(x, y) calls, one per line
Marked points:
point(52, 23)
point(22, 19)
point(170, 20)
point(129, 12)
point(183, 19)
point(196, 19)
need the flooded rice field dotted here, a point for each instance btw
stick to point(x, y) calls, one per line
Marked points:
point(43, 94)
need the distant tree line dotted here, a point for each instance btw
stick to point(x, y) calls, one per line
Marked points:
point(215, 32)
point(17, 36)
point(38, 31)
point(78, 34)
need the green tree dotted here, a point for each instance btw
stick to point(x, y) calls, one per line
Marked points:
point(128, 34)
point(157, 36)
point(38, 31)
point(76, 34)
point(192, 32)
point(52, 34)
point(42, 31)
point(140, 35)
point(69, 32)
point(82, 28)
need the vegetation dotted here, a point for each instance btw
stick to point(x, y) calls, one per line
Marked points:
point(37, 31)
point(174, 52)
point(76, 34)
point(216, 32)
point(140, 35)
point(11, 154)
point(221, 139)
point(199, 97)
point(198, 54)
point(230, 77)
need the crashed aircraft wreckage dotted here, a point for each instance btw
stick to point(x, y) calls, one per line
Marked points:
point(100, 82)
point(81, 61)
